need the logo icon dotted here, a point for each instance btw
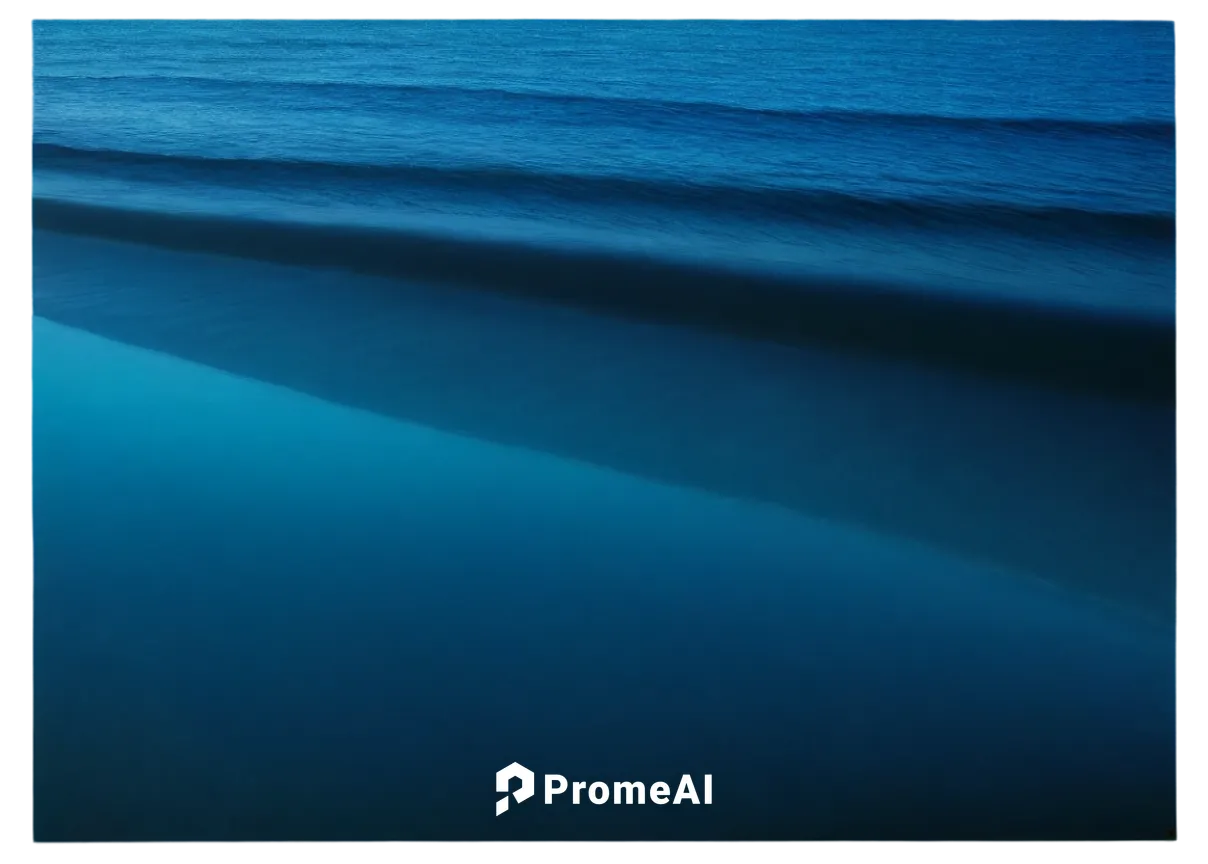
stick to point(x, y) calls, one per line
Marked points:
point(504, 777)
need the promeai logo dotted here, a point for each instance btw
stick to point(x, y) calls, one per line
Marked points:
point(599, 792)
point(502, 780)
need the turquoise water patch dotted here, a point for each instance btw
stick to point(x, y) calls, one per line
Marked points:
point(262, 615)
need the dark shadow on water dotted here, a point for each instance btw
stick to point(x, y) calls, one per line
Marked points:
point(1077, 349)
point(1070, 486)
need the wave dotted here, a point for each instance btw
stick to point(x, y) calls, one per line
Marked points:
point(1147, 128)
point(811, 206)
point(1082, 349)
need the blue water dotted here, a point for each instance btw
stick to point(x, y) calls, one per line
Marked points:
point(787, 401)
point(1028, 159)
point(295, 620)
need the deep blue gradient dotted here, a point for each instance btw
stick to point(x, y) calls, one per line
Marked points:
point(281, 619)
point(787, 401)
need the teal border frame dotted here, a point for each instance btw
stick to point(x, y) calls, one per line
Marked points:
point(17, 810)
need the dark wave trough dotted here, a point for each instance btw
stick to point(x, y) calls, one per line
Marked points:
point(1083, 349)
point(1150, 129)
point(805, 205)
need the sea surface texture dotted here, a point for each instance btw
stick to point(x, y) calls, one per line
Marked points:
point(1030, 160)
point(790, 402)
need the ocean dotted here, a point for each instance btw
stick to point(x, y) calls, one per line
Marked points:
point(791, 402)
point(972, 157)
